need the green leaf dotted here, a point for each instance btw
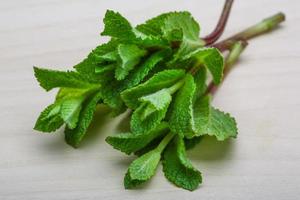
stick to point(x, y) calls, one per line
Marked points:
point(117, 26)
point(160, 80)
point(182, 113)
point(156, 101)
point(201, 115)
point(105, 68)
point(70, 110)
point(130, 183)
point(67, 93)
point(186, 23)
point(154, 26)
point(130, 56)
point(66, 109)
point(87, 67)
point(50, 79)
point(129, 143)
point(211, 121)
point(139, 73)
point(221, 125)
point(144, 167)
point(50, 119)
point(200, 81)
point(140, 124)
point(112, 89)
point(74, 136)
point(212, 59)
point(182, 27)
point(111, 56)
point(178, 169)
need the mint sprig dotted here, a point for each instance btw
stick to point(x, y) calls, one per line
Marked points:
point(166, 75)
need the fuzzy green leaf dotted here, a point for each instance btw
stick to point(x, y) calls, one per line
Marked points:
point(221, 125)
point(74, 136)
point(129, 143)
point(213, 122)
point(212, 59)
point(70, 110)
point(144, 167)
point(129, 183)
point(88, 66)
point(178, 169)
point(50, 79)
point(200, 81)
point(182, 112)
point(201, 115)
point(156, 101)
point(141, 123)
point(182, 27)
point(130, 56)
point(50, 119)
point(112, 89)
point(182, 21)
point(154, 26)
point(117, 26)
point(161, 80)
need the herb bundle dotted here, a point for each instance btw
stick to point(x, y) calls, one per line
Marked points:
point(165, 74)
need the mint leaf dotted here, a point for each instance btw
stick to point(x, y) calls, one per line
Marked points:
point(50, 119)
point(139, 74)
point(112, 89)
point(74, 136)
point(161, 80)
point(88, 66)
point(103, 69)
point(156, 101)
point(129, 143)
point(130, 56)
point(184, 22)
point(50, 79)
point(144, 167)
point(201, 116)
point(141, 123)
point(212, 59)
point(200, 81)
point(129, 183)
point(178, 169)
point(117, 26)
point(111, 56)
point(66, 109)
point(154, 26)
point(70, 110)
point(182, 27)
point(211, 121)
point(182, 112)
point(221, 125)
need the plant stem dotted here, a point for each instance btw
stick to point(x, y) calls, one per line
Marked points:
point(235, 51)
point(162, 145)
point(217, 32)
point(264, 26)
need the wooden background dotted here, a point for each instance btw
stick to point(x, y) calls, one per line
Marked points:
point(262, 92)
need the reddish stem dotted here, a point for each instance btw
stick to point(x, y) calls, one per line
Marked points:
point(216, 34)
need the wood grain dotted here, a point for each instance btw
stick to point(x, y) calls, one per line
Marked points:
point(262, 92)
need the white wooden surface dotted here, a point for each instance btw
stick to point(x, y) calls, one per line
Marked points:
point(262, 93)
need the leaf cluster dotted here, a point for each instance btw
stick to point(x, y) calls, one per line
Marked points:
point(143, 69)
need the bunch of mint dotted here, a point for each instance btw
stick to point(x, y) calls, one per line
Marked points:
point(159, 70)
